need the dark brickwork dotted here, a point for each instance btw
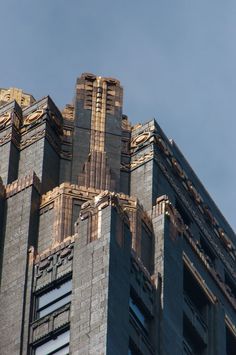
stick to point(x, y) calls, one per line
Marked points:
point(20, 234)
point(119, 286)
point(11, 117)
point(85, 196)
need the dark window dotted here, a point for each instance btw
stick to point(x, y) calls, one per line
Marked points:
point(193, 344)
point(53, 299)
point(195, 294)
point(138, 313)
point(146, 249)
point(58, 345)
point(133, 349)
point(183, 213)
point(230, 342)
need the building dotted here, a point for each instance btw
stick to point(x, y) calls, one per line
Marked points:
point(110, 244)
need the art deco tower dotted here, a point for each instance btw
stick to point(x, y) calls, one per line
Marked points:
point(110, 244)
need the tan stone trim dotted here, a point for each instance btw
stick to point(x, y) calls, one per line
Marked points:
point(5, 138)
point(188, 185)
point(229, 323)
point(79, 192)
point(23, 183)
point(56, 247)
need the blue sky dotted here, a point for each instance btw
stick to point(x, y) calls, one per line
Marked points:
point(176, 60)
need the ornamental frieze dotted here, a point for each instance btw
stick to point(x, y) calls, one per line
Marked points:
point(53, 264)
point(197, 216)
point(5, 120)
point(33, 117)
point(144, 137)
point(141, 159)
point(5, 138)
point(25, 143)
point(100, 201)
point(9, 118)
point(140, 139)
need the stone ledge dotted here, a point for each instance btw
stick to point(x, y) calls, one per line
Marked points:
point(22, 184)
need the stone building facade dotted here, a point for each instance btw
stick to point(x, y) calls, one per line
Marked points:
point(110, 244)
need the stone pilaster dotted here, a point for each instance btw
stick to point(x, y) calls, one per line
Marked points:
point(20, 233)
point(99, 317)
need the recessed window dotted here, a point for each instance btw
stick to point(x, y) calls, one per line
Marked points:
point(193, 343)
point(183, 213)
point(133, 349)
point(58, 345)
point(54, 298)
point(138, 313)
point(194, 294)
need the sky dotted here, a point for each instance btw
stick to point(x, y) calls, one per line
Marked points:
point(176, 60)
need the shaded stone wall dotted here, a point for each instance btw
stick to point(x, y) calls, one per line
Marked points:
point(20, 233)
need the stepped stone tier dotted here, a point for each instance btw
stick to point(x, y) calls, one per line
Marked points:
point(109, 242)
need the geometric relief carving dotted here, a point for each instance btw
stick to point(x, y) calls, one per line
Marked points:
point(33, 117)
point(64, 262)
point(188, 185)
point(91, 210)
point(96, 172)
point(40, 330)
point(99, 202)
point(23, 99)
point(53, 266)
point(139, 160)
point(5, 120)
point(140, 139)
point(61, 318)
point(32, 139)
point(205, 211)
point(196, 215)
point(164, 206)
point(46, 325)
point(5, 138)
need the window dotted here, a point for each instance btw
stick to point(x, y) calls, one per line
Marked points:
point(133, 349)
point(138, 313)
point(192, 344)
point(183, 213)
point(58, 345)
point(54, 298)
point(195, 294)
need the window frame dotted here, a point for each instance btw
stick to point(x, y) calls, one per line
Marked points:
point(144, 325)
point(52, 336)
point(54, 285)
